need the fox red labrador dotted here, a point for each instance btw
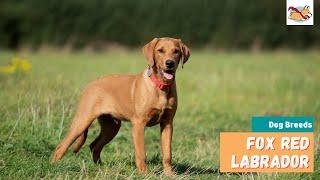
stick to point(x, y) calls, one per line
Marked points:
point(146, 99)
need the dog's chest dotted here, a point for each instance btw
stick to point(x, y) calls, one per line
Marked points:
point(161, 110)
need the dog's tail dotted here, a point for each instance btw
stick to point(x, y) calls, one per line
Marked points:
point(80, 141)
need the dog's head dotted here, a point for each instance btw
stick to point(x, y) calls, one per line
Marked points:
point(164, 54)
point(306, 12)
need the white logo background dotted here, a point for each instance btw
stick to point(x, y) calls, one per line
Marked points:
point(302, 3)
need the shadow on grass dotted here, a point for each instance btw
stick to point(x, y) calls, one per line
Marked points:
point(186, 168)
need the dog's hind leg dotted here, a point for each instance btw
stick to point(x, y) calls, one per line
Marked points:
point(80, 141)
point(84, 117)
point(109, 129)
point(78, 127)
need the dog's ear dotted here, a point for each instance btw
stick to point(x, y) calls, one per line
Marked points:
point(148, 50)
point(185, 53)
point(306, 7)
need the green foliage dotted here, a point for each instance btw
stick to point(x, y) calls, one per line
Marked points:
point(219, 24)
point(219, 94)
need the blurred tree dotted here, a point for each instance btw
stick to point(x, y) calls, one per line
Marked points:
point(220, 24)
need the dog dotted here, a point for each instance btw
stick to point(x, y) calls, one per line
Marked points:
point(146, 99)
point(302, 15)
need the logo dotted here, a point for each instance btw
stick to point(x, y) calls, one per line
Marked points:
point(299, 12)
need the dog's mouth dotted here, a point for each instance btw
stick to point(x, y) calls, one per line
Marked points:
point(168, 74)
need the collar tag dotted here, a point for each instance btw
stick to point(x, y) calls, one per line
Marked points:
point(149, 72)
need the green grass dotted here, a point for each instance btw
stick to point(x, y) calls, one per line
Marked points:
point(217, 92)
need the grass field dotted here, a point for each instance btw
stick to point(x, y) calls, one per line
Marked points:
point(217, 92)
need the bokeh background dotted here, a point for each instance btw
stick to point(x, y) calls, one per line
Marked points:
point(244, 61)
point(230, 24)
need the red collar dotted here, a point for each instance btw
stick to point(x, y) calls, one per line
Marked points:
point(160, 84)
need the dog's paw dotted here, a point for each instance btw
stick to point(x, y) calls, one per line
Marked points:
point(143, 170)
point(169, 172)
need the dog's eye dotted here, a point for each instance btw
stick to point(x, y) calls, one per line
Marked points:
point(160, 50)
point(176, 51)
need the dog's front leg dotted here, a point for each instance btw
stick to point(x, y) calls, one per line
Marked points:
point(166, 137)
point(138, 140)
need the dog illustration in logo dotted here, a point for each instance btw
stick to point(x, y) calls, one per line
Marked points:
point(299, 15)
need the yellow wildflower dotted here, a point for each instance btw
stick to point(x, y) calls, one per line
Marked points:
point(16, 64)
point(7, 69)
point(21, 64)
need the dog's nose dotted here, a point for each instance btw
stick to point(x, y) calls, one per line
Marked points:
point(170, 64)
